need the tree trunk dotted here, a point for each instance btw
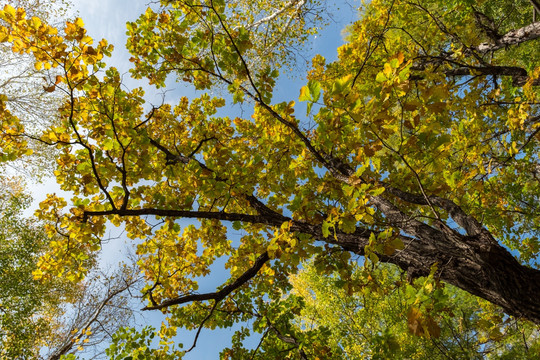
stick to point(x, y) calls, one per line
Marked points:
point(476, 264)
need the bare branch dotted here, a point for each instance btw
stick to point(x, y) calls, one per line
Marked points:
point(288, 5)
point(85, 321)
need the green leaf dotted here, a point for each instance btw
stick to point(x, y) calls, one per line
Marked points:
point(381, 77)
point(305, 94)
point(237, 225)
point(314, 90)
point(326, 228)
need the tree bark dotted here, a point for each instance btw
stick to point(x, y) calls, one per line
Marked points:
point(475, 264)
point(514, 37)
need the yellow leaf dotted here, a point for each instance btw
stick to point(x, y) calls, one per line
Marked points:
point(387, 69)
point(9, 10)
point(36, 22)
point(70, 28)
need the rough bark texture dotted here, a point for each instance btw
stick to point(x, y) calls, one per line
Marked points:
point(514, 37)
point(475, 264)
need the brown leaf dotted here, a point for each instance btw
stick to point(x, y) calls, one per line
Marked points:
point(414, 322)
point(432, 327)
point(91, 51)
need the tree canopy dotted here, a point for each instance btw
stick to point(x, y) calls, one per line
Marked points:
point(419, 148)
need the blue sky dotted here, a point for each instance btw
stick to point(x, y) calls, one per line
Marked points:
point(106, 19)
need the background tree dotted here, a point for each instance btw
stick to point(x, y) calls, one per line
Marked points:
point(365, 322)
point(23, 91)
point(103, 305)
point(419, 149)
point(21, 297)
point(47, 318)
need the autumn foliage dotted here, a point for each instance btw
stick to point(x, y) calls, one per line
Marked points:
point(417, 147)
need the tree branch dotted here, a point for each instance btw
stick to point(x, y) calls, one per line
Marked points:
point(260, 219)
point(467, 222)
point(514, 37)
point(296, 3)
point(218, 295)
point(201, 326)
point(536, 6)
point(69, 342)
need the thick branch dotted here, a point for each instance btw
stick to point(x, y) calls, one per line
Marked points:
point(487, 70)
point(259, 219)
point(467, 222)
point(476, 263)
point(518, 74)
point(514, 37)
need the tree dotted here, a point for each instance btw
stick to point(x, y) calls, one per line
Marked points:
point(419, 149)
point(21, 296)
point(48, 318)
point(23, 94)
point(102, 307)
point(42, 317)
point(374, 324)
